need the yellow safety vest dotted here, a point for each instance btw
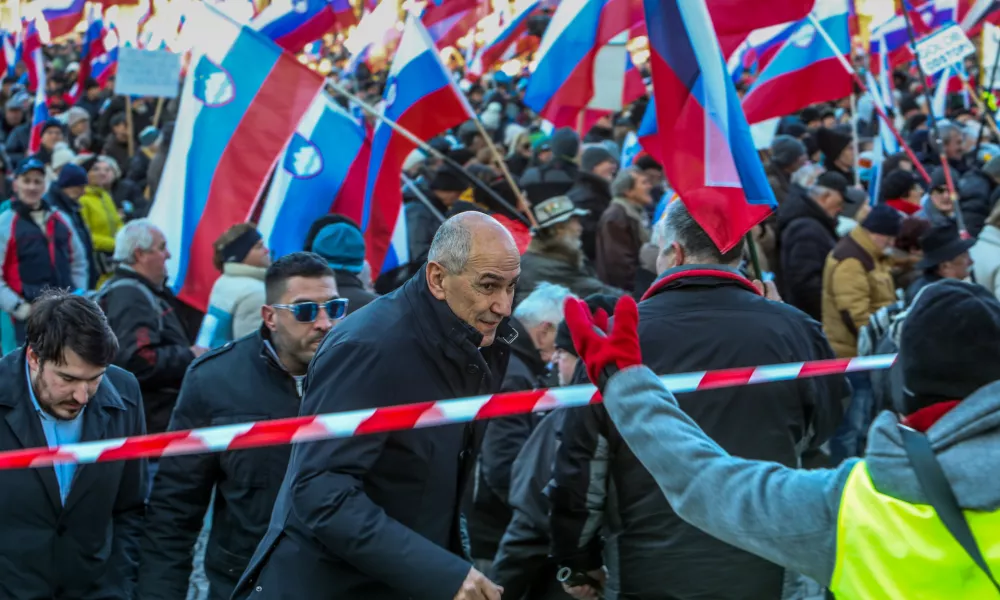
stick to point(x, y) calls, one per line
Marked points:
point(887, 548)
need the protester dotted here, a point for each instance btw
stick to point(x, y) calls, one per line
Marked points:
point(61, 388)
point(443, 190)
point(978, 194)
point(838, 153)
point(257, 377)
point(985, 254)
point(857, 279)
point(535, 321)
point(51, 134)
point(117, 144)
point(901, 190)
point(101, 215)
point(592, 192)
point(377, 516)
point(153, 344)
point(623, 229)
point(65, 196)
point(945, 256)
point(553, 177)
point(939, 208)
point(39, 248)
point(554, 254)
point(234, 304)
point(700, 314)
point(807, 233)
point(868, 516)
point(338, 240)
point(788, 155)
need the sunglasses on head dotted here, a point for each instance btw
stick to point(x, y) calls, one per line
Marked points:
point(307, 312)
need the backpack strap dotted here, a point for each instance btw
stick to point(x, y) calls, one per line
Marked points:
point(135, 283)
point(935, 486)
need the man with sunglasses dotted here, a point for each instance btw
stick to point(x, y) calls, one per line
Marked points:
point(255, 378)
point(376, 516)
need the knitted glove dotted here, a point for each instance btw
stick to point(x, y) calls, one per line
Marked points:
point(603, 354)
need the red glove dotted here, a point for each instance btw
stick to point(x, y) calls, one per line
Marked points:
point(604, 355)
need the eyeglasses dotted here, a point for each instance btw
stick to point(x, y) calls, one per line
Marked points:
point(307, 312)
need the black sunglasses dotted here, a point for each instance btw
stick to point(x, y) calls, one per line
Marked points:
point(306, 312)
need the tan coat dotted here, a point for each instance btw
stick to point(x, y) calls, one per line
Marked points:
point(857, 281)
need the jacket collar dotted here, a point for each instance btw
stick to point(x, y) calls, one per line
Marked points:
point(864, 239)
point(346, 279)
point(241, 270)
point(525, 349)
point(124, 270)
point(443, 322)
point(703, 275)
point(23, 210)
point(23, 421)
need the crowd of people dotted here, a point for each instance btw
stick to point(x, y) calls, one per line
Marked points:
point(737, 492)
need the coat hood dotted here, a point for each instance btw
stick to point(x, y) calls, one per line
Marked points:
point(966, 441)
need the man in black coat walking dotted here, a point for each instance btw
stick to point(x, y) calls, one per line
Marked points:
point(700, 315)
point(376, 517)
point(71, 532)
point(807, 233)
point(257, 377)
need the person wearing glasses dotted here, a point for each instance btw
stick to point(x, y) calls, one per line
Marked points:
point(254, 378)
point(377, 516)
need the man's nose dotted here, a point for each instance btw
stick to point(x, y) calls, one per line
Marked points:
point(81, 394)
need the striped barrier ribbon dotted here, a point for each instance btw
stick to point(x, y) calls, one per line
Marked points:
point(407, 416)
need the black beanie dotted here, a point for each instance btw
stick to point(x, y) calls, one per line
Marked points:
point(831, 142)
point(447, 179)
point(897, 184)
point(950, 344)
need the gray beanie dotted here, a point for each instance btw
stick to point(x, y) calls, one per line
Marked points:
point(595, 154)
point(785, 150)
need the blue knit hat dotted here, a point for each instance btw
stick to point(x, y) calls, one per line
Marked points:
point(342, 246)
point(71, 176)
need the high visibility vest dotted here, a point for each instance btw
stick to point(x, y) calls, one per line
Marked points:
point(890, 549)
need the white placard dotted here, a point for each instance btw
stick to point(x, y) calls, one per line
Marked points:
point(991, 44)
point(154, 73)
point(943, 48)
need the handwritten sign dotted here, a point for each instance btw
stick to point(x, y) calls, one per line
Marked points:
point(154, 73)
point(944, 48)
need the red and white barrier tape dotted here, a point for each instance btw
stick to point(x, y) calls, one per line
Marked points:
point(407, 416)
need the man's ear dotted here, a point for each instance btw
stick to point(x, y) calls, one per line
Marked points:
point(268, 314)
point(435, 279)
point(32, 357)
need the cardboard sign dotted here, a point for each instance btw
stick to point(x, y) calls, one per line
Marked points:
point(154, 73)
point(943, 48)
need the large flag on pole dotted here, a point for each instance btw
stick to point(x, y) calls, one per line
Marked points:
point(421, 96)
point(242, 101)
point(716, 171)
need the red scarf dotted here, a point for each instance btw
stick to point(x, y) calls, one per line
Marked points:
point(904, 206)
point(929, 415)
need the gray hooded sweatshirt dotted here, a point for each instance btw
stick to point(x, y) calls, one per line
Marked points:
point(789, 516)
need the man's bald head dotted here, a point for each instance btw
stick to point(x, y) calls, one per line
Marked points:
point(473, 265)
point(467, 234)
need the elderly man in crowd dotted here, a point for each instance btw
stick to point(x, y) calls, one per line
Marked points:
point(376, 517)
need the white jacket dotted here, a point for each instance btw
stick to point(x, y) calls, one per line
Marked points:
point(986, 259)
point(234, 306)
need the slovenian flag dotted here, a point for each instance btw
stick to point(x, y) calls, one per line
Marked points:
point(448, 20)
point(62, 16)
point(294, 23)
point(91, 50)
point(493, 50)
point(421, 96)
point(242, 101)
point(716, 171)
point(310, 174)
point(806, 70)
point(35, 62)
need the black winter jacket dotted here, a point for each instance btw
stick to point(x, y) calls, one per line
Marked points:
point(152, 342)
point(503, 440)
point(240, 382)
point(806, 235)
point(592, 193)
point(87, 548)
point(977, 195)
point(349, 286)
point(375, 517)
point(71, 208)
point(554, 178)
point(693, 318)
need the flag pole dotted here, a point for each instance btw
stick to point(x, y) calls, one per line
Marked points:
point(935, 130)
point(410, 185)
point(427, 148)
point(993, 76)
point(854, 137)
point(861, 84)
point(502, 165)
